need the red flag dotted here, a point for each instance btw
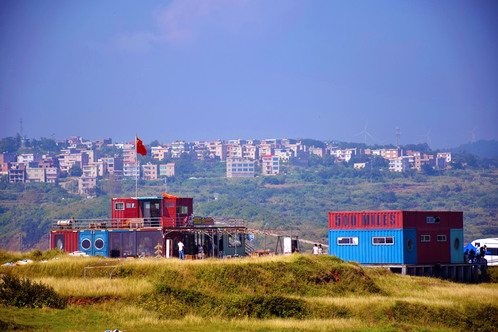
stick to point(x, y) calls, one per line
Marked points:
point(141, 148)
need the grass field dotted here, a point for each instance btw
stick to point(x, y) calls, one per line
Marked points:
point(282, 293)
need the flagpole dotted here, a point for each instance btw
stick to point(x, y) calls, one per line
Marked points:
point(137, 163)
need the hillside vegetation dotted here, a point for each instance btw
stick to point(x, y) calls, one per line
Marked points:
point(281, 293)
point(298, 201)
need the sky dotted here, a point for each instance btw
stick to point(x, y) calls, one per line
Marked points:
point(199, 70)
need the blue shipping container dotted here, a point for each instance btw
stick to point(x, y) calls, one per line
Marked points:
point(376, 246)
point(93, 242)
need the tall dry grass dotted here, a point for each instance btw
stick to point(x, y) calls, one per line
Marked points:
point(98, 287)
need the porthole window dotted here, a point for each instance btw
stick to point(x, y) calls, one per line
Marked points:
point(86, 244)
point(456, 244)
point(409, 244)
point(99, 244)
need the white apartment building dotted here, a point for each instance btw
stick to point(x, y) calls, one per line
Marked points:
point(271, 165)
point(27, 158)
point(167, 169)
point(284, 154)
point(131, 170)
point(179, 147)
point(343, 154)
point(85, 184)
point(240, 168)
point(445, 155)
point(400, 164)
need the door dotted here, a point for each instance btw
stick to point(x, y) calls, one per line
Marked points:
point(59, 241)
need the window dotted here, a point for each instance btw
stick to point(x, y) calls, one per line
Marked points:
point(234, 240)
point(409, 244)
point(119, 206)
point(130, 205)
point(347, 241)
point(99, 244)
point(86, 244)
point(432, 220)
point(382, 240)
point(425, 238)
point(441, 238)
point(182, 209)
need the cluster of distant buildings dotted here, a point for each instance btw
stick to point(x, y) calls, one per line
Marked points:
point(241, 156)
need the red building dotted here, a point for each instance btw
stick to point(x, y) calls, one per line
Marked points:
point(150, 226)
point(397, 237)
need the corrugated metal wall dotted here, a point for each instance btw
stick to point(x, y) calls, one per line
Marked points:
point(365, 251)
point(365, 220)
point(64, 240)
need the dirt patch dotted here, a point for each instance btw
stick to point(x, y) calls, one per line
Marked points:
point(73, 300)
point(409, 188)
point(285, 185)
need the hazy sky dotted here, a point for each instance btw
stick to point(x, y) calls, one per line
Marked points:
point(202, 70)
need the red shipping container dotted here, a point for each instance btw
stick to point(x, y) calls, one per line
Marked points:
point(124, 208)
point(68, 241)
point(429, 220)
point(366, 220)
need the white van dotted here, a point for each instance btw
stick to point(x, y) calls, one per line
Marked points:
point(491, 249)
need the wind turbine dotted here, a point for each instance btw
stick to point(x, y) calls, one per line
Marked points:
point(473, 133)
point(427, 137)
point(365, 133)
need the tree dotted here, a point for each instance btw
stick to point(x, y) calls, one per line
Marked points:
point(313, 142)
point(155, 143)
point(75, 170)
point(9, 144)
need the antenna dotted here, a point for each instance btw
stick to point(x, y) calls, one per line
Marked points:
point(23, 141)
point(398, 136)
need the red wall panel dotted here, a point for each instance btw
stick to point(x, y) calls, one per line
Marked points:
point(71, 240)
point(366, 220)
point(433, 251)
point(418, 219)
point(130, 208)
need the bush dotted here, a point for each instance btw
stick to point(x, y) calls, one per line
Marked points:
point(23, 293)
point(493, 274)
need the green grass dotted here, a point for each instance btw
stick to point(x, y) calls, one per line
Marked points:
point(282, 293)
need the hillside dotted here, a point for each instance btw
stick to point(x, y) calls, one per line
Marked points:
point(298, 201)
point(481, 148)
point(284, 293)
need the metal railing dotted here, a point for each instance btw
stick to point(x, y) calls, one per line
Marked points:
point(133, 223)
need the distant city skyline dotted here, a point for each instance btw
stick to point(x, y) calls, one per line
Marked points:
point(204, 70)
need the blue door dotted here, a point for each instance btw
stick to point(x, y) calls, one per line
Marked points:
point(94, 242)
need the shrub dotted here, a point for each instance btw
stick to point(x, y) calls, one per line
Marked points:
point(493, 274)
point(23, 293)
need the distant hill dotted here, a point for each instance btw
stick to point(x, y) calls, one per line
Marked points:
point(481, 148)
